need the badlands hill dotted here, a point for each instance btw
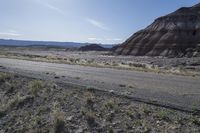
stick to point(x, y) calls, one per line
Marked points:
point(92, 47)
point(174, 35)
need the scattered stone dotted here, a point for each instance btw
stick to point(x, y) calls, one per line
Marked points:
point(56, 77)
point(69, 118)
point(111, 91)
point(80, 130)
point(122, 85)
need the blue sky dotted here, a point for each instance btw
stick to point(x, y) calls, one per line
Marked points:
point(98, 21)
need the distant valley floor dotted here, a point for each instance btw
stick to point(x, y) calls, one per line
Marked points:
point(105, 59)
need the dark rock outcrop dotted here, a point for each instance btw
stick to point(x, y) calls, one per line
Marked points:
point(174, 35)
point(92, 47)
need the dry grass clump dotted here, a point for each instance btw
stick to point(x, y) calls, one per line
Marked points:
point(110, 105)
point(58, 118)
point(2, 112)
point(112, 108)
point(17, 102)
point(140, 65)
point(195, 120)
point(130, 113)
point(163, 115)
point(89, 99)
point(88, 111)
point(146, 110)
point(110, 130)
point(90, 118)
point(4, 77)
point(35, 86)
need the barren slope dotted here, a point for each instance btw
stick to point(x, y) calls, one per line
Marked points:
point(176, 34)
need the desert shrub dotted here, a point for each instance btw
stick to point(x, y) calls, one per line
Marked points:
point(111, 105)
point(107, 64)
point(35, 86)
point(58, 119)
point(162, 115)
point(122, 85)
point(130, 113)
point(138, 122)
point(89, 99)
point(72, 60)
point(137, 65)
point(194, 108)
point(77, 60)
point(14, 102)
point(115, 64)
point(18, 101)
point(110, 116)
point(83, 111)
point(10, 86)
point(90, 118)
point(2, 113)
point(110, 130)
point(146, 110)
point(195, 120)
point(4, 77)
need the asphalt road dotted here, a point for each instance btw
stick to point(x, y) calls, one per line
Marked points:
point(170, 90)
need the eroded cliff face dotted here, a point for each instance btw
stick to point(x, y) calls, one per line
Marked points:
point(174, 35)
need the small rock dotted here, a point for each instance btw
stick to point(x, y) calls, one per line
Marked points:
point(55, 86)
point(127, 93)
point(69, 118)
point(173, 127)
point(158, 123)
point(119, 131)
point(56, 77)
point(80, 130)
point(111, 91)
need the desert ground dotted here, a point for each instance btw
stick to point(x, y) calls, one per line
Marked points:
point(57, 90)
point(34, 105)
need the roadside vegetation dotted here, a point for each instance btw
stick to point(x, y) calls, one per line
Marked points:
point(31, 105)
point(106, 62)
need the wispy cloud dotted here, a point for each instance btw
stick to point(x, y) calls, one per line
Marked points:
point(10, 33)
point(52, 7)
point(97, 24)
point(94, 39)
point(114, 39)
point(108, 40)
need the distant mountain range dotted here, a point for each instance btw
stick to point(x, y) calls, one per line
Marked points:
point(10, 42)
